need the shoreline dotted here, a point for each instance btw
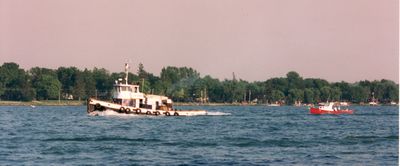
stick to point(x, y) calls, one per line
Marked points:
point(213, 104)
point(44, 103)
point(83, 103)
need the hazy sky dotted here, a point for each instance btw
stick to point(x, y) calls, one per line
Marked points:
point(348, 40)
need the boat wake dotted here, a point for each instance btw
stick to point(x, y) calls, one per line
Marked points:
point(218, 113)
point(113, 113)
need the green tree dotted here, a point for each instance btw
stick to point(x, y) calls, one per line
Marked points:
point(16, 83)
point(345, 90)
point(294, 80)
point(335, 94)
point(280, 84)
point(2, 89)
point(78, 90)
point(360, 93)
point(390, 90)
point(89, 83)
point(141, 72)
point(184, 84)
point(180, 90)
point(103, 81)
point(317, 95)
point(255, 91)
point(326, 93)
point(27, 92)
point(320, 83)
point(11, 75)
point(228, 94)
point(276, 95)
point(309, 95)
point(47, 87)
point(207, 87)
point(45, 82)
point(67, 78)
point(172, 75)
point(295, 95)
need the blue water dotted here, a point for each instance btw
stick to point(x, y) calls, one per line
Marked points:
point(234, 135)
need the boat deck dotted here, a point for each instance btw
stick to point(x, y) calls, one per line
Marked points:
point(98, 105)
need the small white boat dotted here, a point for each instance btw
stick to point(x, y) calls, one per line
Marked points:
point(127, 99)
point(373, 103)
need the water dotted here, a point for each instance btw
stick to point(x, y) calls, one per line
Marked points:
point(233, 135)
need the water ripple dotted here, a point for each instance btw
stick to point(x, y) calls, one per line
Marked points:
point(236, 135)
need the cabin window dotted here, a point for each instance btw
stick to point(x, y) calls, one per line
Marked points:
point(133, 103)
point(157, 105)
point(124, 88)
point(116, 89)
point(141, 104)
point(136, 89)
point(117, 101)
point(125, 102)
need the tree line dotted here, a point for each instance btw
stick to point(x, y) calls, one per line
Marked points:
point(185, 84)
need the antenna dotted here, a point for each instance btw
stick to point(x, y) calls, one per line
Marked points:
point(126, 73)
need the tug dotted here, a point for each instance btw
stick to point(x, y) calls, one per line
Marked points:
point(127, 99)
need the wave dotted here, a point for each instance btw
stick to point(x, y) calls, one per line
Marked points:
point(252, 142)
point(100, 139)
point(200, 143)
point(206, 114)
point(372, 137)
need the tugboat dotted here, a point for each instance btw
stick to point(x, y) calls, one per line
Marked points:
point(329, 108)
point(127, 99)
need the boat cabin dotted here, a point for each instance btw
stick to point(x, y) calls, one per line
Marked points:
point(331, 106)
point(130, 95)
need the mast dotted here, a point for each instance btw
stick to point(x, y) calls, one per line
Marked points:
point(249, 96)
point(126, 73)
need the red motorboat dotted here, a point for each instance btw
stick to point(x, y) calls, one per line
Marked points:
point(330, 108)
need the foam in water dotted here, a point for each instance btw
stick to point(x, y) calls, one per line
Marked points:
point(110, 113)
point(218, 113)
point(113, 113)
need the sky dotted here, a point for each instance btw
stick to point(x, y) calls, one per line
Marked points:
point(336, 40)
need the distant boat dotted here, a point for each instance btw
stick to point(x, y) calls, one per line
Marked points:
point(276, 104)
point(393, 103)
point(374, 102)
point(32, 106)
point(344, 104)
point(329, 108)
